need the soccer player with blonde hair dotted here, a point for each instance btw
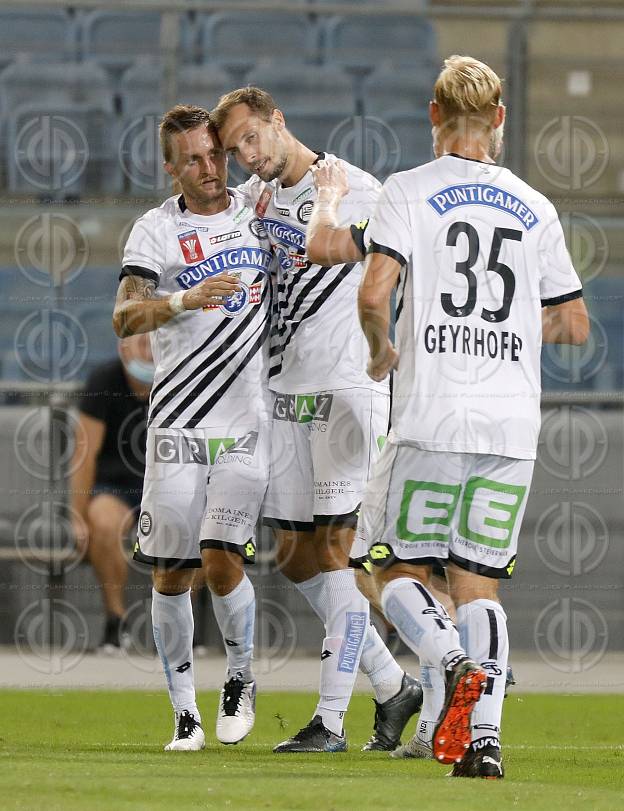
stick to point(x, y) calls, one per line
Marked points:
point(483, 278)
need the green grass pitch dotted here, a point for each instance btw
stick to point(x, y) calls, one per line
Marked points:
point(64, 751)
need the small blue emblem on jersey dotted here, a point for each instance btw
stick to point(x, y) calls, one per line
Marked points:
point(482, 194)
point(236, 302)
point(227, 261)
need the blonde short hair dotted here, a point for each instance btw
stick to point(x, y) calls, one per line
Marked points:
point(467, 88)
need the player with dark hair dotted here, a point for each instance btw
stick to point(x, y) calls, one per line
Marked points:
point(196, 276)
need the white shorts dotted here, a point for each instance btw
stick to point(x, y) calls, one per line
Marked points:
point(202, 490)
point(423, 506)
point(322, 450)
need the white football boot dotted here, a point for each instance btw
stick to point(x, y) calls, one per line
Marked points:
point(188, 735)
point(237, 710)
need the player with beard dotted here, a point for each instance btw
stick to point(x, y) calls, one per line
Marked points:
point(484, 278)
point(329, 421)
point(196, 276)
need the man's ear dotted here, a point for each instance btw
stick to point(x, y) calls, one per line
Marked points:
point(277, 117)
point(499, 118)
point(434, 113)
point(169, 169)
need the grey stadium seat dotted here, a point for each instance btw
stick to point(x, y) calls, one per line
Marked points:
point(240, 40)
point(398, 89)
point(306, 89)
point(42, 34)
point(29, 513)
point(116, 39)
point(58, 139)
point(362, 42)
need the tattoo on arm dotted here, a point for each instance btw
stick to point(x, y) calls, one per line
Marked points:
point(133, 289)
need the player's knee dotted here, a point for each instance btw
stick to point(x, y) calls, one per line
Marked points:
point(333, 542)
point(295, 555)
point(465, 586)
point(223, 570)
point(172, 582)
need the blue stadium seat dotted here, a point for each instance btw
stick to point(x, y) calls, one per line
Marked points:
point(240, 40)
point(58, 135)
point(362, 42)
point(398, 88)
point(42, 34)
point(313, 89)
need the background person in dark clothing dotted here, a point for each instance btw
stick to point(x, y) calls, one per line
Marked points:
point(108, 468)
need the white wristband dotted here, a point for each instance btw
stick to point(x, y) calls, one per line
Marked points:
point(176, 302)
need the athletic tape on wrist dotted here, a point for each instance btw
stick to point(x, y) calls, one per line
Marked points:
point(176, 302)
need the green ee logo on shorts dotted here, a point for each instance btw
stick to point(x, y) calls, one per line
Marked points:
point(481, 497)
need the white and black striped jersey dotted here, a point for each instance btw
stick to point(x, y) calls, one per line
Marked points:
point(211, 364)
point(317, 343)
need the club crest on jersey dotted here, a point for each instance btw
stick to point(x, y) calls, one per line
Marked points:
point(228, 260)
point(191, 247)
point(482, 194)
point(247, 296)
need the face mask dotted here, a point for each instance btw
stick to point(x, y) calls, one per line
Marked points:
point(141, 370)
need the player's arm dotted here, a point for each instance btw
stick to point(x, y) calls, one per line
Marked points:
point(566, 323)
point(328, 243)
point(381, 272)
point(138, 310)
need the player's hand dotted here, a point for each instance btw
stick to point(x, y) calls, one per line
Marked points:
point(330, 178)
point(379, 368)
point(214, 290)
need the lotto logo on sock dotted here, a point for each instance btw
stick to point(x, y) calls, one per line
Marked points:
point(354, 635)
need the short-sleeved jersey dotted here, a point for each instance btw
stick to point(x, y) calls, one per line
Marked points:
point(481, 252)
point(211, 364)
point(317, 344)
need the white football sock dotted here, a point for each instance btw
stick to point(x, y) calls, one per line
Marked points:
point(172, 624)
point(377, 662)
point(385, 675)
point(236, 615)
point(422, 622)
point(345, 628)
point(313, 589)
point(483, 629)
point(434, 687)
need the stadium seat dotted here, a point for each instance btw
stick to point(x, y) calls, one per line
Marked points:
point(115, 39)
point(58, 134)
point(240, 40)
point(398, 88)
point(141, 86)
point(40, 34)
point(29, 518)
point(310, 89)
point(362, 42)
point(414, 135)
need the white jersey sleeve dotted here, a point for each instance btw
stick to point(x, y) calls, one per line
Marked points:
point(559, 281)
point(143, 251)
point(389, 229)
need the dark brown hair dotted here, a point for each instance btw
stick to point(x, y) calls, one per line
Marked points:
point(181, 118)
